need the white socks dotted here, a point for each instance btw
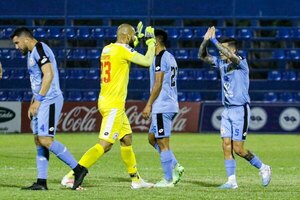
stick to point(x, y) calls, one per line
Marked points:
point(232, 179)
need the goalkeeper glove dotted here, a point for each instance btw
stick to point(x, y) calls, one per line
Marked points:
point(149, 36)
point(139, 34)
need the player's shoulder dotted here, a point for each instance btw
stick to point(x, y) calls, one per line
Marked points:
point(243, 60)
point(124, 47)
point(42, 45)
point(166, 55)
point(41, 49)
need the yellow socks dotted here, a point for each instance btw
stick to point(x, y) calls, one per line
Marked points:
point(91, 156)
point(128, 157)
point(70, 174)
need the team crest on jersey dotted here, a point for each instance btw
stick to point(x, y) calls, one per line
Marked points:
point(115, 136)
point(31, 62)
point(223, 130)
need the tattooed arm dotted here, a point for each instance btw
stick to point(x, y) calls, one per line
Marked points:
point(231, 56)
point(202, 53)
point(224, 50)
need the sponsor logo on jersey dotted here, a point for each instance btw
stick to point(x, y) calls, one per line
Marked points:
point(106, 133)
point(44, 60)
point(51, 129)
point(157, 68)
point(161, 130)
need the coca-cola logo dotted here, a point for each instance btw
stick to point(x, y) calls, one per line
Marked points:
point(138, 123)
point(80, 118)
point(180, 120)
point(136, 119)
point(6, 114)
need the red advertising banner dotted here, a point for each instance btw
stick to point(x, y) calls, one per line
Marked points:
point(185, 121)
point(75, 117)
point(84, 117)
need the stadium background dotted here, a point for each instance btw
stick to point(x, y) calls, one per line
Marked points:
point(77, 30)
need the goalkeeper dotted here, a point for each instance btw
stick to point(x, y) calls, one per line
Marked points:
point(115, 65)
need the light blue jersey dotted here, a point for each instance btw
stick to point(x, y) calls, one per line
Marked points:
point(40, 55)
point(235, 98)
point(167, 101)
point(235, 82)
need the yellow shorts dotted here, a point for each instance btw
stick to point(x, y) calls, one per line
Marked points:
point(115, 124)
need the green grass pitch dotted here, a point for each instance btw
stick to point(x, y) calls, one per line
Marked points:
point(200, 154)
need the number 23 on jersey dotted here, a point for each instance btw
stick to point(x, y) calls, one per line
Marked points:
point(105, 71)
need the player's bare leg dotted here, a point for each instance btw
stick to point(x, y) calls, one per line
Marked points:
point(265, 170)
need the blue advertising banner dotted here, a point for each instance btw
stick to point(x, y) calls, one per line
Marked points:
point(265, 117)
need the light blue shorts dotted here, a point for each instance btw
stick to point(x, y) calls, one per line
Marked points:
point(45, 123)
point(161, 124)
point(235, 121)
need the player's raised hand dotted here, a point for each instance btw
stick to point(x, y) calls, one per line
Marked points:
point(139, 29)
point(149, 36)
point(213, 32)
point(207, 35)
point(139, 33)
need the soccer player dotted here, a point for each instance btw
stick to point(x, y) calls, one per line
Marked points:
point(115, 65)
point(162, 106)
point(234, 72)
point(45, 106)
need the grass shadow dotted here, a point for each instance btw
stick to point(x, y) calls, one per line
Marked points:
point(203, 184)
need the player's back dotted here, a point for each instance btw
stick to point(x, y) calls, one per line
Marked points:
point(115, 66)
point(167, 99)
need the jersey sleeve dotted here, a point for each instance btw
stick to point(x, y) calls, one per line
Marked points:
point(243, 63)
point(40, 56)
point(161, 64)
point(215, 62)
point(128, 52)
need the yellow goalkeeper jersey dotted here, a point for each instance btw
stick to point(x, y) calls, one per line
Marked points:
point(115, 65)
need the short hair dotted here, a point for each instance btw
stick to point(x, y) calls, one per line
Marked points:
point(161, 35)
point(21, 31)
point(230, 41)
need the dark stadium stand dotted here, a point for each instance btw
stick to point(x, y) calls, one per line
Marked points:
point(269, 39)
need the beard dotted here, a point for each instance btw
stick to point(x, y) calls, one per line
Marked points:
point(24, 51)
point(131, 43)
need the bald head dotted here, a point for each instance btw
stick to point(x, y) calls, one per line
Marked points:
point(125, 29)
point(126, 34)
